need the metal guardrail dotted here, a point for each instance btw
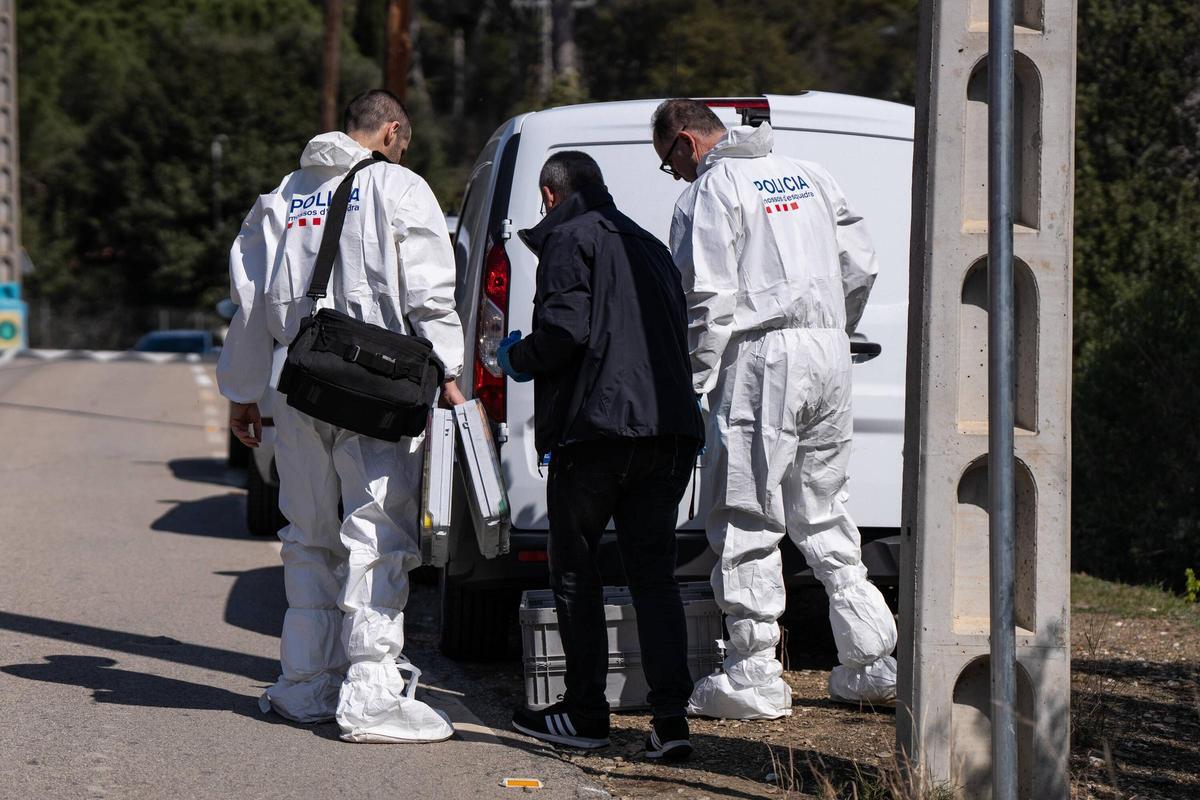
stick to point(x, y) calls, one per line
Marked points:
point(105, 356)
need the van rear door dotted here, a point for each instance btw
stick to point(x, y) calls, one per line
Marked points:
point(617, 136)
point(865, 144)
point(867, 147)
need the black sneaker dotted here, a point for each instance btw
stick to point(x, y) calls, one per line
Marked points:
point(668, 739)
point(556, 725)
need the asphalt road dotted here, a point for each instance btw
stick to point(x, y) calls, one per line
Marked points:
point(139, 621)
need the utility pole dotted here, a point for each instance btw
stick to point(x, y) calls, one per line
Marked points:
point(1002, 495)
point(560, 58)
point(217, 151)
point(566, 59)
point(13, 316)
point(459, 60)
point(398, 53)
point(331, 64)
point(983, 692)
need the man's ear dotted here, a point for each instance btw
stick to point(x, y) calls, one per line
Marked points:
point(693, 141)
point(548, 197)
point(390, 132)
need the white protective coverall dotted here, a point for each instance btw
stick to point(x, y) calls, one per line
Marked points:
point(346, 580)
point(777, 270)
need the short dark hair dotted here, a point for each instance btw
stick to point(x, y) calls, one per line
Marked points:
point(678, 113)
point(569, 171)
point(373, 109)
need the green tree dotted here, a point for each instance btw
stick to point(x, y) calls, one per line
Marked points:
point(1137, 291)
point(120, 107)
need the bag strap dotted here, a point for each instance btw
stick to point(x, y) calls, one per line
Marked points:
point(378, 362)
point(335, 218)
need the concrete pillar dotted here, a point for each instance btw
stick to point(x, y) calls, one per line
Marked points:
point(944, 692)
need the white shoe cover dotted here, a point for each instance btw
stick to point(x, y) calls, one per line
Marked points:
point(717, 696)
point(308, 702)
point(862, 623)
point(374, 707)
point(874, 684)
point(760, 669)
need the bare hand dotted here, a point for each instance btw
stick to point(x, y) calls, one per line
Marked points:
point(451, 396)
point(246, 423)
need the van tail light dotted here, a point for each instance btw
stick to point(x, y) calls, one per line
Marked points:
point(754, 110)
point(736, 102)
point(490, 384)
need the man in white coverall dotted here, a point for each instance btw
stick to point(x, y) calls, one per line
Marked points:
point(777, 269)
point(346, 579)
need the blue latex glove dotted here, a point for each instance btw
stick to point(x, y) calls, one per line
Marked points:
point(502, 358)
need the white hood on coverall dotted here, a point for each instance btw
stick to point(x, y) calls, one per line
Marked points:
point(390, 266)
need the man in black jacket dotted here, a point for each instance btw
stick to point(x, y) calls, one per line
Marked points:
point(614, 409)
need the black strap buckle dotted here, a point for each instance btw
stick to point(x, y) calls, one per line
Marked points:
point(376, 362)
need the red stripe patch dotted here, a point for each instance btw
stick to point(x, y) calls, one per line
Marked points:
point(795, 205)
point(289, 224)
point(768, 209)
point(302, 222)
point(316, 220)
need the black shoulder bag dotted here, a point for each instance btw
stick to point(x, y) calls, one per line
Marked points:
point(350, 373)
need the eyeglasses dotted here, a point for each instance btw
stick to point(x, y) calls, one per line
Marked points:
point(665, 166)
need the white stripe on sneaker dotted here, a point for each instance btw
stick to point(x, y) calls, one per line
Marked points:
point(567, 719)
point(551, 720)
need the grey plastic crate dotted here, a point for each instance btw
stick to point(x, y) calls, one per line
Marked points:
point(545, 665)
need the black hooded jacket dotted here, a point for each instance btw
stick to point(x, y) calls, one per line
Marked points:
point(608, 350)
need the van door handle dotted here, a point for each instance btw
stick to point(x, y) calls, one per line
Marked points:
point(862, 351)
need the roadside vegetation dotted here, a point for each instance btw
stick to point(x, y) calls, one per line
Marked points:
point(1135, 707)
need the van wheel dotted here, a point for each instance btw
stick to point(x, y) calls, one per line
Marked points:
point(475, 621)
point(263, 517)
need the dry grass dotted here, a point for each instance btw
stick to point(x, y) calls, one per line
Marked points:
point(892, 780)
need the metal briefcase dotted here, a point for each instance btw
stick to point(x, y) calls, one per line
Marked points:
point(437, 487)
point(484, 484)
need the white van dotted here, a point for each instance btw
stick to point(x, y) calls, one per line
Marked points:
point(865, 144)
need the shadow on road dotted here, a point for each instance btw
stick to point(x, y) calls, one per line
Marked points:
point(165, 648)
point(222, 516)
point(256, 601)
point(203, 470)
point(128, 688)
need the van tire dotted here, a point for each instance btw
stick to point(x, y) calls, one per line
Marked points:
point(263, 517)
point(475, 621)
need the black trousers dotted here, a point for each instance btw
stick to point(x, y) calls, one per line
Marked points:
point(638, 483)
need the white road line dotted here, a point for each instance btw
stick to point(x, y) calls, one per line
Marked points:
point(105, 356)
point(214, 425)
